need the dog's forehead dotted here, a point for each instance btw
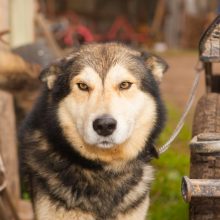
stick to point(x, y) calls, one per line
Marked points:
point(115, 74)
point(102, 58)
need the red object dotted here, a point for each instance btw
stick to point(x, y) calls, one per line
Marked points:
point(121, 29)
point(85, 33)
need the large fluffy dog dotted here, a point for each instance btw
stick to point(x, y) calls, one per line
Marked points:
point(89, 139)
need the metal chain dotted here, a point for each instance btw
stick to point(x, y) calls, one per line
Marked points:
point(198, 69)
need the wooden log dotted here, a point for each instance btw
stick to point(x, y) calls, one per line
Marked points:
point(8, 150)
point(8, 144)
point(4, 22)
point(25, 210)
point(158, 17)
point(200, 188)
point(205, 154)
point(21, 22)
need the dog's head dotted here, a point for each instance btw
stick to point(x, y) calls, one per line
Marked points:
point(107, 99)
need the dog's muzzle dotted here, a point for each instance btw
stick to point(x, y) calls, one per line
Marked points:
point(104, 125)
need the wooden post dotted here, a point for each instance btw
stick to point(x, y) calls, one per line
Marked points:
point(4, 22)
point(8, 144)
point(8, 150)
point(21, 22)
point(158, 17)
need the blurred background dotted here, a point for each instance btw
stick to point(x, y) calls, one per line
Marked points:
point(158, 24)
point(33, 33)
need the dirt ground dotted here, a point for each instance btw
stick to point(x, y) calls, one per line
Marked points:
point(178, 79)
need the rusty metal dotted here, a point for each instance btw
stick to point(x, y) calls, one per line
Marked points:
point(206, 143)
point(208, 188)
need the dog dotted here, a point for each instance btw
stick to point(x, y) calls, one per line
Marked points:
point(87, 144)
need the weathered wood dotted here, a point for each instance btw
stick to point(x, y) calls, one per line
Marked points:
point(158, 17)
point(21, 22)
point(25, 210)
point(8, 144)
point(8, 150)
point(8, 202)
point(198, 188)
point(205, 161)
point(4, 21)
point(4, 214)
point(206, 143)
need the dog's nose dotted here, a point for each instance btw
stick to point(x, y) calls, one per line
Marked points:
point(104, 125)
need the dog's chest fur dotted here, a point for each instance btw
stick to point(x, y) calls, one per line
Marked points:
point(45, 209)
point(98, 193)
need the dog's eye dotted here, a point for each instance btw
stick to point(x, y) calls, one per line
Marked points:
point(83, 86)
point(125, 85)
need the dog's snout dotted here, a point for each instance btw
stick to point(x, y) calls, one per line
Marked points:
point(104, 125)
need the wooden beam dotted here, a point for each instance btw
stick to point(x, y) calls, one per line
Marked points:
point(8, 144)
point(21, 22)
point(158, 17)
point(4, 22)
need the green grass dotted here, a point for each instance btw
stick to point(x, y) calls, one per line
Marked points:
point(166, 199)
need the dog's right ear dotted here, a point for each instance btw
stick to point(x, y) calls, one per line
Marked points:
point(155, 64)
point(50, 74)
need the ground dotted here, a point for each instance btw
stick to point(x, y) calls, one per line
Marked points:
point(178, 80)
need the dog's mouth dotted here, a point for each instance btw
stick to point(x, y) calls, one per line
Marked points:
point(105, 144)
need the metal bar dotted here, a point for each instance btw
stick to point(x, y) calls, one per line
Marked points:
point(206, 143)
point(209, 188)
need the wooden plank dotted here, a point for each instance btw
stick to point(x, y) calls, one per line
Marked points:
point(205, 165)
point(158, 17)
point(21, 22)
point(8, 150)
point(4, 21)
point(8, 144)
point(25, 210)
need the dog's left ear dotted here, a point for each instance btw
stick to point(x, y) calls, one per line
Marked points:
point(155, 64)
